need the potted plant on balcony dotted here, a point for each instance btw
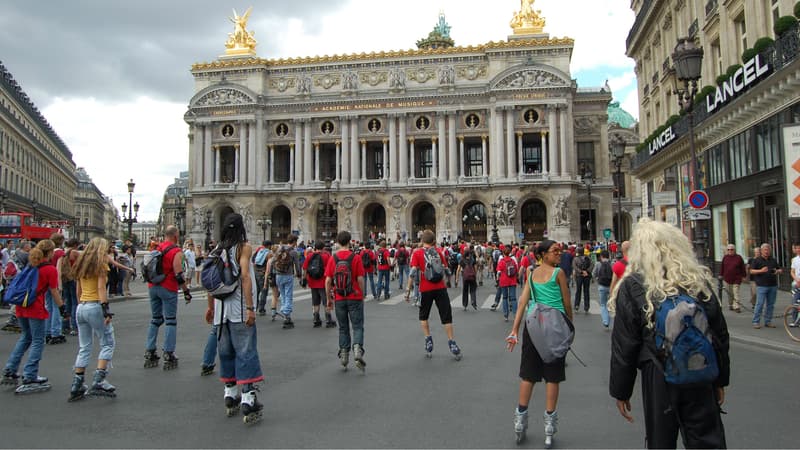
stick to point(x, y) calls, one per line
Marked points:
point(786, 46)
point(797, 10)
point(784, 25)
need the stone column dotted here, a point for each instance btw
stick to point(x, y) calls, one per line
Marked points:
point(571, 154)
point(484, 152)
point(354, 152)
point(344, 125)
point(236, 161)
point(604, 160)
point(394, 164)
point(462, 159)
point(297, 155)
point(413, 164)
point(217, 164)
point(197, 156)
point(498, 168)
point(363, 159)
point(385, 159)
point(292, 163)
point(563, 149)
point(316, 161)
point(545, 168)
point(511, 149)
point(339, 161)
point(257, 166)
point(443, 169)
point(403, 151)
point(307, 158)
point(435, 158)
point(208, 156)
point(456, 158)
point(239, 170)
point(271, 169)
point(519, 154)
point(553, 147)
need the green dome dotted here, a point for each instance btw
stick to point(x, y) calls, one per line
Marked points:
point(620, 116)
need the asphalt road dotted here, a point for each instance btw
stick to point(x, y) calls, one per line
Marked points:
point(404, 400)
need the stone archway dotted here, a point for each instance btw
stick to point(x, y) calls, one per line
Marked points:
point(473, 222)
point(374, 222)
point(423, 217)
point(281, 224)
point(534, 220)
point(327, 222)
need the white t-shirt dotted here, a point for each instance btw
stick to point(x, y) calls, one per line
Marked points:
point(796, 268)
point(232, 309)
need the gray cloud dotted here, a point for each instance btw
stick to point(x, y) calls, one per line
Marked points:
point(115, 50)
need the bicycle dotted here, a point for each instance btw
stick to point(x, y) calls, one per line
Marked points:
point(791, 321)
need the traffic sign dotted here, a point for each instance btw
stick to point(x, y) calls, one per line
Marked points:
point(521, 236)
point(698, 199)
point(696, 214)
point(607, 233)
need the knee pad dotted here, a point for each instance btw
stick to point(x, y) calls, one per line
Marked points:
point(172, 321)
point(157, 321)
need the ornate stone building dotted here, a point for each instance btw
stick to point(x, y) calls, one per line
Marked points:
point(456, 139)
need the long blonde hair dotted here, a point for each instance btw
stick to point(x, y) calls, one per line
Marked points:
point(663, 256)
point(92, 262)
point(41, 253)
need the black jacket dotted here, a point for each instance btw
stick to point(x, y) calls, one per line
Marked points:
point(633, 344)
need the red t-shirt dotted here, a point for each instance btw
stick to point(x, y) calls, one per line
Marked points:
point(371, 256)
point(357, 269)
point(619, 267)
point(418, 261)
point(506, 280)
point(386, 255)
point(57, 254)
point(316, 283)
point(527, 261)
point(48, 279)
point(169, 283)
point(612, 247)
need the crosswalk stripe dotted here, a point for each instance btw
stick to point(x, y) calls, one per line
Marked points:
point(456, 301)
point(488, 303)
point(397, 299)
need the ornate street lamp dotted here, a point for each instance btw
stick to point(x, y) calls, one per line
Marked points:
point(208, 225)
point(495, 237)
point(264, 222)
point(133, 213)
point(180, 214)
point(618, 153)
point(588, 179)
point(328, 210)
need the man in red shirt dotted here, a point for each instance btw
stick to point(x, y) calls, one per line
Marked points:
point(384, 269)
point(368, 261)
point(314, 268)
point(53, 326)
point(344, 283)
point(619, 267)
point(507, 271)
point(433, 291)
point(164, 301)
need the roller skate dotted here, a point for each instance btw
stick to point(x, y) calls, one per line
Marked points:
point(550, 428)
point(232, 399)
point(276, 314)
point(520, 424)
point(329, 323)
point(100, 386)
point(455, 350)
point(429, 346)
point(150, 359)
point(12, 325)
point(344, 357)
point(9, 379)
point(287, 323)
point(358, 356)
point(32, 386)
point(206, 370)
point(251, 408)
point(78, 390)
point(317, 320)
point(58, 340)
point(170, 361)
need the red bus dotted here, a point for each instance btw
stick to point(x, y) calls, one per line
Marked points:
point(17, 226)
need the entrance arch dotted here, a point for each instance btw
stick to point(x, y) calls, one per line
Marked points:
point(374, 222)
point(473, 219)
point(534, 220)
point(281, 224)
point(328, 222)
point(423, 217)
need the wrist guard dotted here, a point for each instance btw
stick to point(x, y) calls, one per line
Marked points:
point(107, 314)
point(179, 278)
point(62, 310)
point(187, 296)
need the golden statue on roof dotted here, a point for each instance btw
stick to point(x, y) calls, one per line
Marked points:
point(527, 21)
point(241, 42)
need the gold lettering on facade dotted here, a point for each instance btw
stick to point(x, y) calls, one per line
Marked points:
point(373, 106)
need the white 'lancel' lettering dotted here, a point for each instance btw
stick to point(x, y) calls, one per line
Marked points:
point(661, 141)
point(742, 79)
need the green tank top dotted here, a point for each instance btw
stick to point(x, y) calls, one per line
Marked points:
point(547, 293)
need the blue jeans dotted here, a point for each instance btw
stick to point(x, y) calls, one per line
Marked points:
point(604, 291)
point(238, 354)
point(509, 300)
point(371, 280)
point(350, 312)
point(286, 288)
point(402, 274)
point(120, 281)
point(53, 323)
point(383, 282)
point(210, 352)
point(91, 323)
point(765, 294)
point(70, 296)
point(164, 309)
point(32, 337)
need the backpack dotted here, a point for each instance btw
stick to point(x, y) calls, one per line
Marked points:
point(434, 269)
point(382, 258)
point(496, 256)
point(22, 289)
point(154, 269)
point(683, 340)
point(468, 271)
point(604, 274)
point(584, 263)
point(261, 257)
point(550, 330)
point(366, 260)
point(283, 261)
point(511, 267)
point(343, 276)
point(452, 259)
point(220, 274)
point(64, 266)
point(315, 269)
point(402, 257)
point(10, 270)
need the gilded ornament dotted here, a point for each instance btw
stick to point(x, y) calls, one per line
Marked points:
point(472, 72)
point(281, 84)
point(327, 81)
point(241, 42)
point(526, 20)
point(374, 78)
point(420, 75)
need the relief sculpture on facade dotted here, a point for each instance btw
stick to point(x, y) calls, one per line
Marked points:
point(507, 210)
point(561, 211)
point(303, 85)
point(350, 81)
point(531, 78)
point(586, 125)
point(197, 218)
point(447, 75)
point(397, 80)
point(224, 97)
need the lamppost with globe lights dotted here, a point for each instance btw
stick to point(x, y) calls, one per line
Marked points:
point(180, 214)
point(495, 237)
point(588, 180)
point(327, 210)
point(618, 153)
point(133, 212)
point(208, 224)
point(264, 222)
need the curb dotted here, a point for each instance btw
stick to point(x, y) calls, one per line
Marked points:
point(766, 343)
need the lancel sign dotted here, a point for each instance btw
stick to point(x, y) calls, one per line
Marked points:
point(745, 77)
point(662, 140)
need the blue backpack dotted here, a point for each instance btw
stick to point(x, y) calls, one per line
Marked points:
point(22, 289)
point(220, 273)
point(683, 338)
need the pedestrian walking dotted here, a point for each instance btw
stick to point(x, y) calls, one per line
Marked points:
point(344, 284)
point(732, 272)
point(94, 319)
point(546, 285)
point(582, 267)
point(604, 273)
point(190, 260)
point(468, 272)
point(287, 268)
point(314, 269)
point(69, 292)
point(756, 255)
point(384, 269)
point(401, 258)
point(663, 266)
point(235, 318)
point(507, 271)
point(764, 272)
point(54, 327)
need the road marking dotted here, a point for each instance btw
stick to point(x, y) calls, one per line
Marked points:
point(395, 300)
point(456, 302)
point(488, 303)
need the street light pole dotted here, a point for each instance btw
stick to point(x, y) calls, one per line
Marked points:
point(587, 179)
point(618, 153)
point(131, 219)
point(208, 224)
point(495, 237)
point(264, 222)
point(328, 213)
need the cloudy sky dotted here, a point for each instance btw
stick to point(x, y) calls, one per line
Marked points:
point(113, 79)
